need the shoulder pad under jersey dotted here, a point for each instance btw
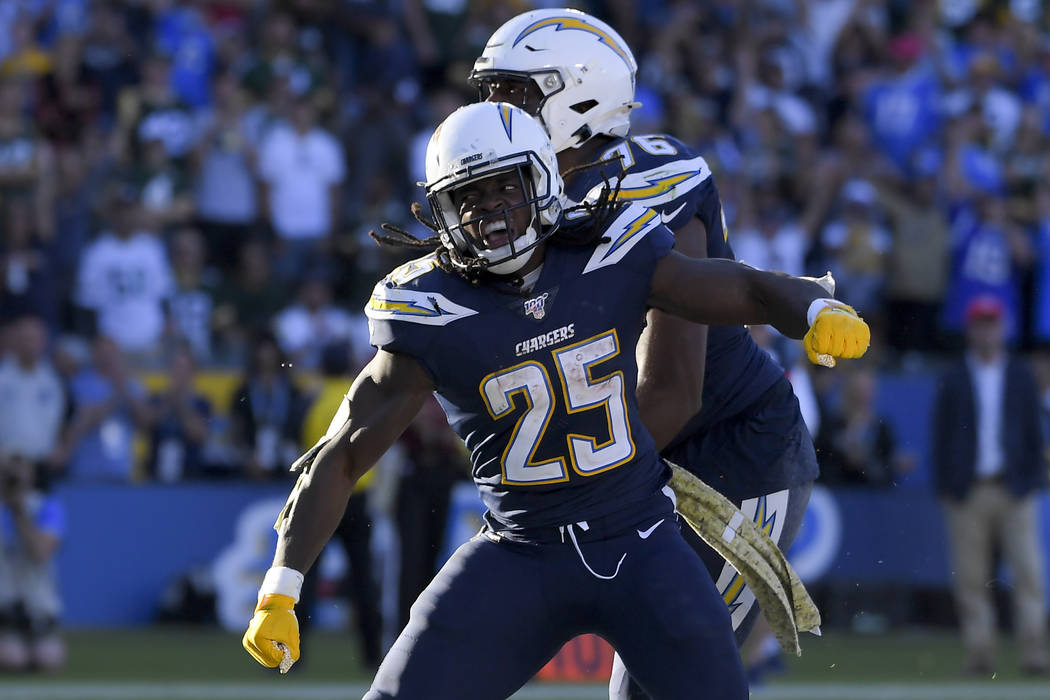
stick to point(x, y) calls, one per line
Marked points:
point(416, 293)
point(631, 224)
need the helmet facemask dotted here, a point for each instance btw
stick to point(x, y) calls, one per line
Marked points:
point(527, 90)
point(498, 241)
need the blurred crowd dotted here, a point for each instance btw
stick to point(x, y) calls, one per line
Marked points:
point(187, 187)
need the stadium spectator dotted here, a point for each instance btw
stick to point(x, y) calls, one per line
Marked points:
point(354, 532)
point(193, 298)
point(32, 525)
point(165, 197)
point(151, 110)
point(361, 261)
point(1000, 108)
point(306, 327)
point(110, 56)
point(180, 31)
point(74, 197)
point(917, 260)
point(765, 87)
point(27, 58)
point(434, 463)
point(1023, 163)
point(277, 59)
point(989, 466)
point(25, 157)
point(267, 413)
point(225, 179)
point(68, 99)
point(301, 170)
point(856, 444)
point(855, 247)
point(32, 397)
point(902, 106)
point(989, 254)
point(837, 36)
point(248, 300)
point(124, 278)
point(768, 235)
point(440, 102)
point(29, 283)
point(109, 404)
point(180, 422)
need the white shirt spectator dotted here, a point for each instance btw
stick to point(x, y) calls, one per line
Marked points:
point(785, 251)
point(126, 282)
point(32, 404)
point(826, 19)
point(1001, 110)
point(226, 186)
point(304, 333)
point(300, 169)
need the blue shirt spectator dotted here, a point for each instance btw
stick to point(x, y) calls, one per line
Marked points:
point(181, 418)
point(182, 34)
point(903, 111)
point(982, 265)
point(109, 405)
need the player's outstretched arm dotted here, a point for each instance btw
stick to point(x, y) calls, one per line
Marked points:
point(383, 400)
point(724, 292)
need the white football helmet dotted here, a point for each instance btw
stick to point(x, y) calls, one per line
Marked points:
point(475, 142)
point(583, 68)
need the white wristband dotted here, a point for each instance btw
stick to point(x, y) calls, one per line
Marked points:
point(283, 581)
point(818, 305)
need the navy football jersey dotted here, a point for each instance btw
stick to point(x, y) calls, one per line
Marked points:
point(664, 174)
point(540, 385)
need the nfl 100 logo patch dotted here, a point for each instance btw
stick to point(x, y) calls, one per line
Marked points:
point(536, 307)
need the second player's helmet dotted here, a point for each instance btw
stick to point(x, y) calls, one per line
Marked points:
point(582, 67)
point(478, 141)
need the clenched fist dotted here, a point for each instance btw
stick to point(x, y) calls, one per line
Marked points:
point(273, 630)
point(835, 330)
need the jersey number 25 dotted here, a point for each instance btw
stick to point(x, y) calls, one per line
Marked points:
point(581, 391)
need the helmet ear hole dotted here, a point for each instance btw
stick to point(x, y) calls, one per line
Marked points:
point(584, 107)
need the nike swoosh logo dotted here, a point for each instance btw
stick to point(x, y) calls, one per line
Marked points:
point(670, 217)
point(644, 534)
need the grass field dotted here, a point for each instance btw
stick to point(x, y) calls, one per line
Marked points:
point(189, 664)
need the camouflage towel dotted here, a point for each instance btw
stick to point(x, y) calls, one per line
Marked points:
point(781, 595)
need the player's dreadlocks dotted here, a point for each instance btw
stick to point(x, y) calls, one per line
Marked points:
point(586, 230)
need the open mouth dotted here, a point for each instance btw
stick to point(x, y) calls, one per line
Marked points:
point(495, 234)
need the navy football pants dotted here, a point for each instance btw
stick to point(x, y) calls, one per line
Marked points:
point(499, 610)
point(773, 435)
point(788, 507)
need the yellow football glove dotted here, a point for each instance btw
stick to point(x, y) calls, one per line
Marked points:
point(273, 634)
point(835, 330)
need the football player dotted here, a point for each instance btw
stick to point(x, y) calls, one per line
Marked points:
point(523, 323)
point(742, 433)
